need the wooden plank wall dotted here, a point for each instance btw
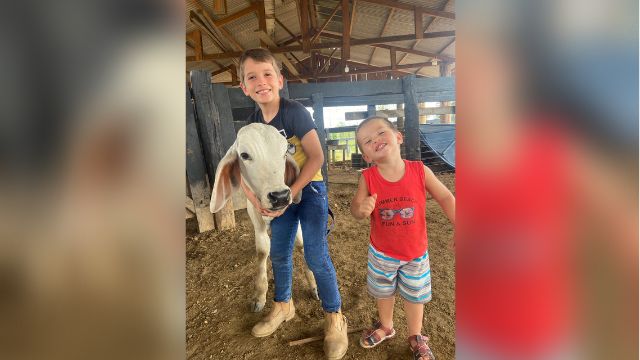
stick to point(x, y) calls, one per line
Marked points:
point(215, 130)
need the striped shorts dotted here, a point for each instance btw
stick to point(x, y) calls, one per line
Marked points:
point(411, 278)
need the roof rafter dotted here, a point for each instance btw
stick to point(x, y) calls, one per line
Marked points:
point(333, 35)
point(354, 42)
point(384, 28)
point(326, 22)
point(345, 53)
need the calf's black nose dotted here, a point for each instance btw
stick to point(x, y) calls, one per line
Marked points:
point(279, 198)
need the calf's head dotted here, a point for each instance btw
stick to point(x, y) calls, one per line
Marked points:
point(259, 156)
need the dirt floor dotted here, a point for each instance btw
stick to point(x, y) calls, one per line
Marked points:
point(219, 284)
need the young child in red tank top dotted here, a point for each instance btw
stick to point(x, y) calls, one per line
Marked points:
point(393, 193)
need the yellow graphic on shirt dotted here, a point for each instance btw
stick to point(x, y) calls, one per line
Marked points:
point(295, 149)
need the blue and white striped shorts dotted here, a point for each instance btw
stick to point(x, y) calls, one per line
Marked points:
point(411, 278)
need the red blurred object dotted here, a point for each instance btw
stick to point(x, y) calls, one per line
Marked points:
point(515, 249)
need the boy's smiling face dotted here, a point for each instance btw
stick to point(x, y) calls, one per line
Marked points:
point(378, 140)
point(261, 82)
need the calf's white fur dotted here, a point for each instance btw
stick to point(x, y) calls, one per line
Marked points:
point(259, 157)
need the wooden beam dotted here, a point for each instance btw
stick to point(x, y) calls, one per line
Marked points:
point(302, 65)
point(326, 22)
point(363, 66)
point(368, 71)
point(262, 21)
point(297, 38)
point(292, 69)
point(358, 67)
point(382, 40)
point(417, 52)
point(359, 115)
point(196, 38)
point(346, 32)
point(418, 22)
point(234, 74)
point(200, 23)
point(226, 34)
point(384, 28)
point(353, 16)
point(328, 61)
point(219, 6)
point(223, 70)
point(438, 56)
point(294, 37)
point(313, 15)
point(399, 5)
point(354, 42)
point(304, 25)
point(236, 15)
point(392, 54)
point(415, 44)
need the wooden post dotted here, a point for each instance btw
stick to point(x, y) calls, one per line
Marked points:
point(215, 123)
point(318, 115)
point(412, 135)
point(284, 93)
point(400, 123)
point(196, 172)
point(371, 110)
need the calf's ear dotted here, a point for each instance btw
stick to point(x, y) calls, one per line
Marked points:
point(291, 172)
point(227, 180)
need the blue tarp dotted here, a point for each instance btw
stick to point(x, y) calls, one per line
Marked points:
point(438, 146)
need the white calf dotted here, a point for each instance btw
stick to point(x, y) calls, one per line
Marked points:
point(259, 156)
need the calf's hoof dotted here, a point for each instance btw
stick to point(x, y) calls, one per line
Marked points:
point(257, 306)
point(314, 293)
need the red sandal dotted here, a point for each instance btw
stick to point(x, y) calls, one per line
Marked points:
point(420, 350)
point(370, 337)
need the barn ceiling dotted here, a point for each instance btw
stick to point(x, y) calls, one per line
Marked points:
point(324, 40)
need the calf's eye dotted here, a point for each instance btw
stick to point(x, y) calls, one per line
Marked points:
point(245, 156)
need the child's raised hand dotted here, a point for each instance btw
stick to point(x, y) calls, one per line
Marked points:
point(368, 204)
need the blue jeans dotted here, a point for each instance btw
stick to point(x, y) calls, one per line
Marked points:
point(312, 213)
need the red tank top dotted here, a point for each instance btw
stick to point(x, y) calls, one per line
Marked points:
point(398, 224)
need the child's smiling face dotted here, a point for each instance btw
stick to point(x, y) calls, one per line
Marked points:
point(378, 141)
point(261, 81)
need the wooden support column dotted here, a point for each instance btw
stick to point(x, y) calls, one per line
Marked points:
point(400, 123)
point(412, 135)
point(215, 125)
point(318, 115)
point(346, 31)
point(371, 110)
point(284, 93)
point(197, 172)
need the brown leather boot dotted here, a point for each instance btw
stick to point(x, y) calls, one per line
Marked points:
point(336, 341)
point(280, 312)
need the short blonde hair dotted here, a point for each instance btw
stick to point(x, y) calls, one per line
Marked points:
point(257, 55)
